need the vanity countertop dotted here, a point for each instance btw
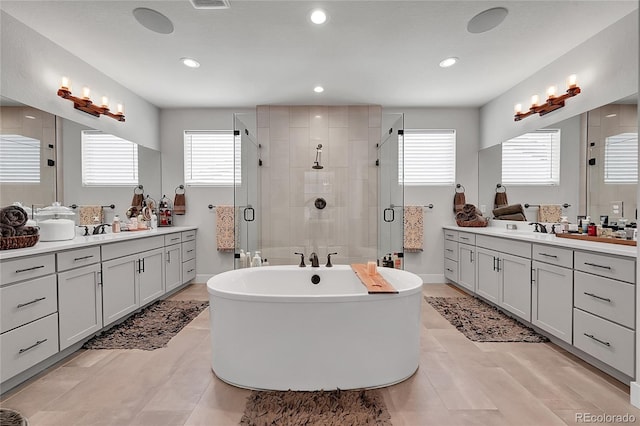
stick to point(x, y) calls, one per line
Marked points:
point(78, 242)
point(550, 239)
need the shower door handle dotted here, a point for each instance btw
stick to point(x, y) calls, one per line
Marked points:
point(248, 218)
point(393, 214)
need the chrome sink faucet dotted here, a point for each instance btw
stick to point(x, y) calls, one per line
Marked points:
point(313, 258)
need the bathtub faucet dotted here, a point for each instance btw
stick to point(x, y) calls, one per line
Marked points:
point(329, 265)
point(302, 265)
point(314, 260)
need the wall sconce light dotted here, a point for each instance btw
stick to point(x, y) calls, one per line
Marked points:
point(552, 103)
point(85, 104)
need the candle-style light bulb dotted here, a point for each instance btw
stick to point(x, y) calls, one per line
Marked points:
point(572, 81)
point(551, 92)
point(518, 108)
point(86, 93)
point(65, 83)
point(105, 102)
point(535, 100)
point(120, 109)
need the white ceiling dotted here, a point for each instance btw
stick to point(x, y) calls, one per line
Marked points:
point(369, 52)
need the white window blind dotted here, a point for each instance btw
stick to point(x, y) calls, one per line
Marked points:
point(208, 158)
point(532, 159)
point(108, 160)
point(19, 159)
point(429, 157)
point(621, 159)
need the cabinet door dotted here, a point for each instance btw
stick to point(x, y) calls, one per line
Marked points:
point(552, 299)
point(487, 276)
point(150, 276)
point(119, 288)
point(79, 304)
point(172, 267)
point(515, 294)
point(467, 267)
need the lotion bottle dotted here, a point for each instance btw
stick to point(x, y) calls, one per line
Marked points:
point(242, 258)
point(115, 226)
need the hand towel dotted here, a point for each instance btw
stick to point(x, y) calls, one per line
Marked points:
point(413, 228)
point(14, 216)
point(500, 200)
point(88, 213)
point(458, 201)
point(225, 228)
point(550, 213)
point(512, 209)
point(179, 204)
point(137, 200)
point(513, 216)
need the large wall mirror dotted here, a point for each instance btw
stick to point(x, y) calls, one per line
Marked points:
point(60, 178)
point(598, 167)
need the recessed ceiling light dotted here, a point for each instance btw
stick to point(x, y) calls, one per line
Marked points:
point(318, 89)
point(318, 16)
point(487, 20)
point(153, 20)
point(446, 63)
point(190, 62)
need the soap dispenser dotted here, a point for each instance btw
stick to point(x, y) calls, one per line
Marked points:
point(257, 261)
point(242, 259)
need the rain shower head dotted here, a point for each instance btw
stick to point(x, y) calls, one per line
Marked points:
point(316, 164)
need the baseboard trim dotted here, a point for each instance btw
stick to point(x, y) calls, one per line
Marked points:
point(635, 394)
point(202, 278)
point(432, 278)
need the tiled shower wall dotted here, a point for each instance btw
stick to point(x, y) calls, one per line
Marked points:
point(291, 223)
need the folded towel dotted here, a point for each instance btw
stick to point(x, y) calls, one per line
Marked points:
point(458, 201)
point(413, 228)
point(225, 228)
point(550, 213)
point(7, 230)
point(26, 230)
point(512, 209)
point(500, 200)
point(179, 204)
point(13, 216)
point(89, 213)
point(512, 216)
point(470, 213)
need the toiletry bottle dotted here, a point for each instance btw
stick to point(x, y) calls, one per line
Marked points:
point(115, 226)
point(242, 258)
point(247, 260)
point(565, 225)
point(154, 221)
point(580, 226)
point(585, 224)
point(256, 260)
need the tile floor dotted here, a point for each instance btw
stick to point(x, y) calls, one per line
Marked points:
point(459, 382)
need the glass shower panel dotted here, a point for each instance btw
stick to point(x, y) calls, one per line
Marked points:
point(391, 186)
point(246, 185)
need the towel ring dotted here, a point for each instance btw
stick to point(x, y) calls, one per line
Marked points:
point(140, 188)
point(178, 188)
point(498, 186)
point(458, 186)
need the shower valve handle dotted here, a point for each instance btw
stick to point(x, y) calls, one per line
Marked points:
point(302, 265)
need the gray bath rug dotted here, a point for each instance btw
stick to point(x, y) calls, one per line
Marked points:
point(326, 408)
point(9, 417)
point(481, 322)
point(151, 328)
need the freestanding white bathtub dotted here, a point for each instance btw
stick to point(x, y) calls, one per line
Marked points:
point(272, 328)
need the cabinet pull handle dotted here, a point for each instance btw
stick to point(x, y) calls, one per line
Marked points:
point(189, 251)
point(498, 263)
point(38, 343)
point(590, 336)
point(450, 250)
point(494, 263)
point(598, 266)
point(450, 270)
point(139, 266)
point(174, 239)
point(22, 305)
point(548, 255)
point(533, 276)
point(82, 258)
point(143, 264)
point(598, 297)
point(99, 277)
point(470, 256)
point(464, 238)
point(168, 257)
point(29, 269)
point(190, 270)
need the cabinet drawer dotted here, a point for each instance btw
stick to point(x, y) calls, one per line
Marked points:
point(27, 301)
point(451, 270)
point(26, 268)
point(618, 268)
point(172, 239)
point(613, 300)
point(76, 258)
point(553, 255)
point(115, 250)
point(26, 346)
point(451, 250)
point(504, 245)
point(450, 235)
point(608, 342)
point(188, 235)
point(188, 270)
point(467, 238)
point(188, 250)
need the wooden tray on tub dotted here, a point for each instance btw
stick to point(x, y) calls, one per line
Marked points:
point(375, 283)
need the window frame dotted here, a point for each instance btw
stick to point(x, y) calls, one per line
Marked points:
point(231, 173)
point(418, 154)
point(526, 169)
point(96, 158)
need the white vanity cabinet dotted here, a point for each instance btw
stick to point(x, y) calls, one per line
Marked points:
point(28, 298)
point(552, 299)
point(451, 255)
point(467, 266)
point(79, 294)
point(173, 261)
point(188, 256)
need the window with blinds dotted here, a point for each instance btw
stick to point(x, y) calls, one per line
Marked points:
point(532, 159)
point(621, 159)
point(429, 157)
point(108, 160)
point(209, 157)
point(19, 159)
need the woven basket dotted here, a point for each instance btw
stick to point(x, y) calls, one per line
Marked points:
point(472, 223)
point(23, 241)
